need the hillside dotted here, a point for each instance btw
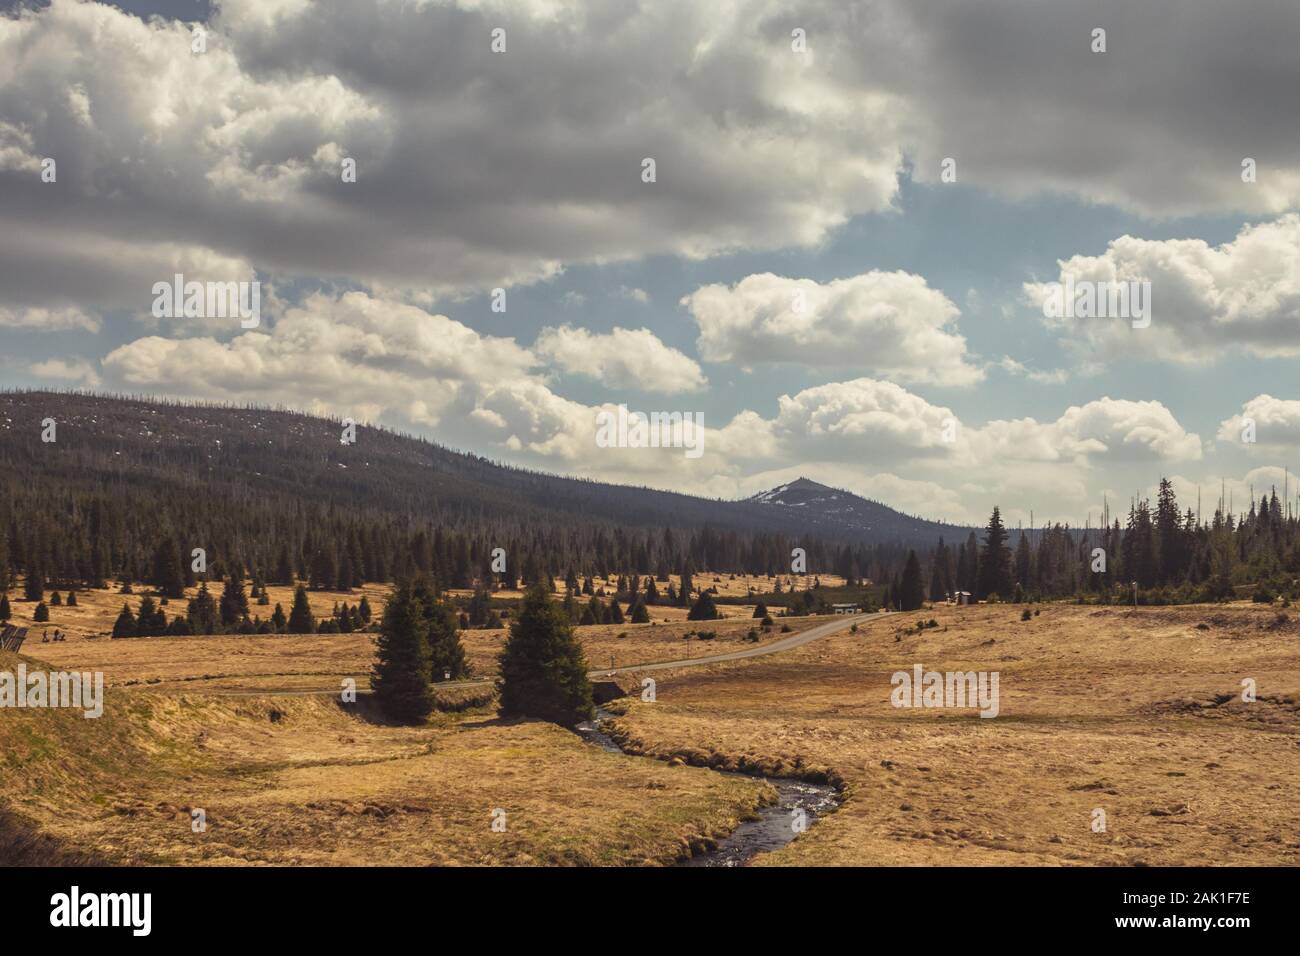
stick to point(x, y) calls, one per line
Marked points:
point(246, 480)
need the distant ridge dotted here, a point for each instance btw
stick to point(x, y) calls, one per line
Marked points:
point(259, 451)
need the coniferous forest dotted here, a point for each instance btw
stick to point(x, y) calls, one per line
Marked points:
point(129, 488)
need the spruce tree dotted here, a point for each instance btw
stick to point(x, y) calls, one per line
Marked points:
point(300, 619)
point(760, 610)
point(234, 602)
point(201, 614)
point(1024, 567)
point(911, 591)
point(284, 567)
point(5, 610)
point(703, 609)
point(639, 613)
point(125, 624)
point(446, 653)
point(34, 585)
point(41, 614)
point(995, 560)
point(278, 620)
point(543, 670)
point(402, 665)
point(168, 571)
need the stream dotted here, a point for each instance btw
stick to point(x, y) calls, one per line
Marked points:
point(772, 829)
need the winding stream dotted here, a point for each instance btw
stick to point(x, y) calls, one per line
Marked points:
point(773, 828)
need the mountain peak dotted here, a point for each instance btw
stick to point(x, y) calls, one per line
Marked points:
point(820, 507)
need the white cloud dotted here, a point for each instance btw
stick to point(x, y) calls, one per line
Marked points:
point(477, 171)
point(1276, 424)
point(634, 358)
point(1240, 297)
point(49, 320)
point(1015, 367)
point(889, 322)
point(77, 371)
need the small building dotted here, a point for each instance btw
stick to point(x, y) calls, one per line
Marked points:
point(844, 608)
point(959, 597)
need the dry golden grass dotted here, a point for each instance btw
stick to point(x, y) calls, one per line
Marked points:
point(1136, 712)
point(302, 781)
point(97, 609)
point(1101, 708)
point(643, 643)
point(301, 662)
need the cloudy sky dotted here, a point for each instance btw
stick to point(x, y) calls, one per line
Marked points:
point(799, 270)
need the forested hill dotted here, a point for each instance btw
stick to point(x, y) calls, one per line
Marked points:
point(255, 487)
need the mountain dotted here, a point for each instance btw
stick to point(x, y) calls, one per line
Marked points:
point(128, 479)
point(824, 511)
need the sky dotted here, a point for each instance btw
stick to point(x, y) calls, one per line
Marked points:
point(827, 229)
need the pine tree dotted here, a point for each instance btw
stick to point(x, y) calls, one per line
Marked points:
point(936, 582)
point(41, 614)
point(703, 609)
point(5, 610)
point(760, 610)
point(234, 602)
point(34, 585)
point(363, 609)
point(284, 567)
point(300, 619)
point(201, 614)
point(1024, 567)
point(125, 624)
point(995, 560)
point(168, 571)
point(403, 661)
point(278, 620)
point(446, 653)
point(911, 590)
point(150, 620)
point(1169, 534)
point(543, 670)
point(324, 570)
point(639, 613)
